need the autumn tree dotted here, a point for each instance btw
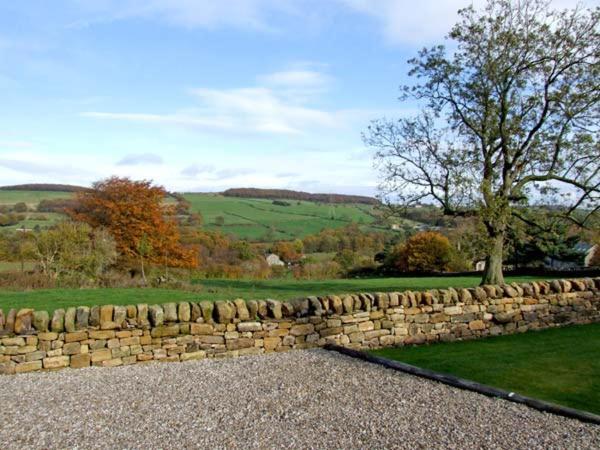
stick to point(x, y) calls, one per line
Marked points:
point(135, 213)
point(509, 118)
point(427, 251)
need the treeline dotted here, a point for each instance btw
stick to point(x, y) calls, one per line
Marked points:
point(298, 195)
point(44, 187)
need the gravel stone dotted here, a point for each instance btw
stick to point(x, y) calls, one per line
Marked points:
point(300, 399)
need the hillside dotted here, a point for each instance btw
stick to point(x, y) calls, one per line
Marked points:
point(255, 219)
point(267, 220)
point(286, 194)
point(47, 187)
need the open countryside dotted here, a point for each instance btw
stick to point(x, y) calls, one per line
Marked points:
point(301, 224)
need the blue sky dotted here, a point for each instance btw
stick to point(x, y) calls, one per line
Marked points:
point(204, 95)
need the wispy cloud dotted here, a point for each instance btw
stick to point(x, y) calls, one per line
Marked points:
point(41, 168)
point(194, 170)
point(278, 107)
point(140, 159)
point(210, 14)
point(403, 22)
point(15, 144)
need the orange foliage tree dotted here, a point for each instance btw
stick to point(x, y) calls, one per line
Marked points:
point(136, 216)
point(427, 251)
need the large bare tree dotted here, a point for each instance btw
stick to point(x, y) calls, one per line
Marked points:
point(510, 115)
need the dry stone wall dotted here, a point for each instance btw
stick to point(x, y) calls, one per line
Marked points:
point(120, 335)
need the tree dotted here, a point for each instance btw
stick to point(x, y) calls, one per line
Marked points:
point(510, 118)
point(73, 249)
point(427, 251)
point(133, 211)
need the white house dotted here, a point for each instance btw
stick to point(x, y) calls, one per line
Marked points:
point(274, 260)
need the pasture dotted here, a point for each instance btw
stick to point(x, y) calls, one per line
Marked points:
point(262, 220)
point(220, 289)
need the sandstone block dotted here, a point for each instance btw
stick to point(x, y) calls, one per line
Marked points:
point(477, 325)
point(142, 314)
point(157, 315)
point(82, 317)
point(201, 328)
point(184, 312)
point(119, 316)
point(112, 362)
point(236, 344)
point(35, 356)
point(224, 312)
point(94, 316)
point(170, 310)
point(244, 327)
point(274, 307)
point(9, 325)
point(207, 309)
point(24, 321)
point(76, 336)
point(70, 319)
point(72, 348)
point(81, 360)
point(302, 329)
point(56, 362)
point(242, 311)
point(106, 317)
point(41, 320)
point(102, 354)
point(165, 331)
point(271, 343)
point(30, 366)
point(192, 356)
point(101, 334)
point(58, 321)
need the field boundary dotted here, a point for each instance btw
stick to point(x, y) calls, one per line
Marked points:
point(468, 385)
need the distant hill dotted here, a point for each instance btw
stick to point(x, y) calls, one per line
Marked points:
point(44, 187)
point(298, 195)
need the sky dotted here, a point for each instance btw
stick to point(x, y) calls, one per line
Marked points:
point(204, 95)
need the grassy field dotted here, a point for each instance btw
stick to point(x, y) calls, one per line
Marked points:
point(251, 219)
point(51, 299)
point(31, 198)
point(560, 365)
point(261, 220)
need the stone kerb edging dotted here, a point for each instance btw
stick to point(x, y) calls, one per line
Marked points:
point(117, 335)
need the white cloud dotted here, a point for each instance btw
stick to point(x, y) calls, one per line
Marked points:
point(243, 14)
point(421, 23)
point(297, 79)
point(276, 109)
point(194, 170)
point(140, 159)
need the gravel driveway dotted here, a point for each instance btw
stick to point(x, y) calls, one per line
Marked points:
point(300, 399)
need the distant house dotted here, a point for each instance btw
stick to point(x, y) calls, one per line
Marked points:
point(586, 251)
point(274, 260)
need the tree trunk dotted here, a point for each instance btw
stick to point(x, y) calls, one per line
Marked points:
point(143, 272)
point(493, 263)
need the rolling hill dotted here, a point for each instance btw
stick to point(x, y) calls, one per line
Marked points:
point(256, 219)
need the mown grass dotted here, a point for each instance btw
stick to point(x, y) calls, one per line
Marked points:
point(560, 365)
point(282, 289)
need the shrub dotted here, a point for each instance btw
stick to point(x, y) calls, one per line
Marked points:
point(424, 252)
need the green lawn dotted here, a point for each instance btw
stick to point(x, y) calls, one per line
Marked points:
point(560, 365)
point(50, 299)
